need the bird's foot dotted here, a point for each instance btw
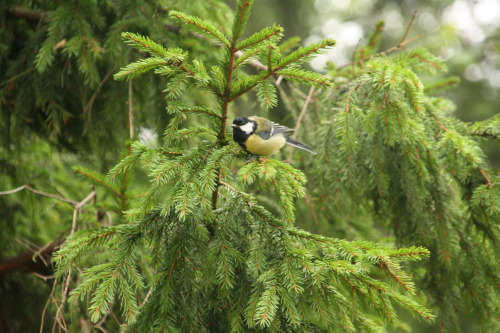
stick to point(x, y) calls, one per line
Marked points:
point(252, 158)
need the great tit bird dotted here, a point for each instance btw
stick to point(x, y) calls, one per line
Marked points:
point(260, 136)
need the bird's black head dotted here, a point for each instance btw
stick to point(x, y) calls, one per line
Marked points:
point(240, 121)
point(242, 129)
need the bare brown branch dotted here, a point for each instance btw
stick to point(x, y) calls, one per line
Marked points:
point(300, 118)
point(25, 13)
point(27, 261)
point(131, 110)
point(399, 46)
point(53, 196)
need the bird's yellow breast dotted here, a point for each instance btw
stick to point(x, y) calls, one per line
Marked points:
point(258, 146)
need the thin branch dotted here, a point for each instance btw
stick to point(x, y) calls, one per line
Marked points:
point(254, 63)
point(53, 196)
point(146, 299)
point(300, 118)
point(24, 13)
point(84, 327)
point(46, 248)
point(311, 208)
point(89, 197)
point(59, 315)
point(51, 297)
point(408, 26)
point(490, 184)
point(101, 182)
point(202, 111)
point(26, 262)
point(15, 77)
point(73, 223)
point(486, 134)
point(399, 281)
point(209, 85)
point(356, 49)
point(347, 107)
point(400, 45)
point(43, 277)
point(88, 107)
point(278, 80)
point(76, 210)
point(131, 109)
point(228, 186)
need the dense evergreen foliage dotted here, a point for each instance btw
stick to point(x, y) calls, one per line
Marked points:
point(188, 235)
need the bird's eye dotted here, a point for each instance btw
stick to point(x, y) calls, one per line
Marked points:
point(238, 121)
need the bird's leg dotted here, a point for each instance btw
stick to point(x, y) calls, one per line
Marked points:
point(252, 158)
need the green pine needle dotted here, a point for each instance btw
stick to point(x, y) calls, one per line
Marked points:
point(145, 44)
point(201, 26)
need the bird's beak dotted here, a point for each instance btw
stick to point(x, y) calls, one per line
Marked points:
point(234, 126)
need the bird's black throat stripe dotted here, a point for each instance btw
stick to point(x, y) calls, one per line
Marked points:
point(240, 137)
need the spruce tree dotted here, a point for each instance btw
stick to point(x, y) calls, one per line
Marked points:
point(191, 236)
point(200, 252)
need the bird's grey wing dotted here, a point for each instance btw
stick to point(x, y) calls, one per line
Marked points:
point(275, 130)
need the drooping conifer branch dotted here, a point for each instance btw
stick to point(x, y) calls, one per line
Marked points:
point(470, 157)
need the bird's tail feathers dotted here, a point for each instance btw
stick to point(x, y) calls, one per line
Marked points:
point(300, 145)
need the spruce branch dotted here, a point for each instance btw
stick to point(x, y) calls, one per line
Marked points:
point(354, 249)
point(433, 64)
point(304, 54)
point(376, 36)
point(199, 25)
point(269, 58)
point(136, 151)
point(305, 77)
point(145, 44)
point(59, 21)
point(240, 19)
point(199, 109)
point(248, 57)
point(489, 128)
point(470, 157)
point(267, 34)
point(98, 179)
point(139, 67)
point(266, 94)
point(485, 176)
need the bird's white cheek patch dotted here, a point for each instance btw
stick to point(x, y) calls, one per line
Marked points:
point(247, 128)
